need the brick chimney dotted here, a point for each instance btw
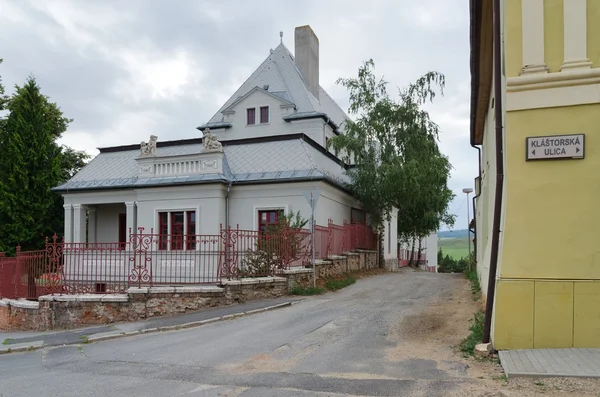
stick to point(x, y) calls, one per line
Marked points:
point(307, 57)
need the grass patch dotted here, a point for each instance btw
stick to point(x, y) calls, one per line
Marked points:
point(6, 341)
point(297, 290)
point(335, 284)
point(84, 339)
point(474, 279)
point(331, 284)
point(467, 346)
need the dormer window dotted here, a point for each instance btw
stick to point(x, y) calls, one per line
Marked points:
point(264, 114)
point(251, 116)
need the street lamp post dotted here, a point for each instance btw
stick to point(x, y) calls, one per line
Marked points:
point(468, 190)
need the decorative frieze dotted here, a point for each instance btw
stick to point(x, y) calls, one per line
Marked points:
point(209, 162)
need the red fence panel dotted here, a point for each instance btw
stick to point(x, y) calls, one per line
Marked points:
point(8, 267)
point(321, 242)
point(149, 259)
point(249, 253)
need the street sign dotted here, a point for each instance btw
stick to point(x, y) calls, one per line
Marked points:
point(555, 147)
point(312, 197)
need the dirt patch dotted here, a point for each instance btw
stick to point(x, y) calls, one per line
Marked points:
point(416, 326)
point(435, 332)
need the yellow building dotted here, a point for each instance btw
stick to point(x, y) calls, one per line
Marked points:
point(538, 195)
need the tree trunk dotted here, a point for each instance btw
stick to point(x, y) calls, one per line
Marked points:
point(412, 252)
point(419, 251)
point(380, 248)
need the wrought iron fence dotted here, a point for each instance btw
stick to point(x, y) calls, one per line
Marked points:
point(150, 259)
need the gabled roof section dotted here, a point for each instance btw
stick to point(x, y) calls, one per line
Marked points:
point(284, 102)
point(284, 80)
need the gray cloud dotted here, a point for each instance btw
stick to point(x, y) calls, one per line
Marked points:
point(125, 70)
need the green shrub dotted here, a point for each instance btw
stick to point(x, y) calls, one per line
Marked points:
point(474, 279)
point(334, 285)
point(467, 346)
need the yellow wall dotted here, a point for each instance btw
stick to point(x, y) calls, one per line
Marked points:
point(593, 32)
point(548, 291)
point(552, 207)
point(554, 34)
point(513, 42)
point(546, 314)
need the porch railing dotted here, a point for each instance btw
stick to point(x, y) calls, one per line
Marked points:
point(150, 259)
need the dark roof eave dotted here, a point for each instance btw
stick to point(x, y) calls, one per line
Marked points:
point(316, 115)
point(58, 189)
point(214, 126)
point(272, 138)
point(329, 180)
point(475, 35)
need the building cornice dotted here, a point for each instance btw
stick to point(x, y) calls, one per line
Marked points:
point(568, 78)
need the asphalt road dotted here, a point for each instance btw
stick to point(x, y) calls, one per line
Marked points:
point(330, 345)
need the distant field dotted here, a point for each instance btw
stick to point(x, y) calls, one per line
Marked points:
point(455, 247)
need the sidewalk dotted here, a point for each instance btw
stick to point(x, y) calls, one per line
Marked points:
point(22, 341)
point(580, 363)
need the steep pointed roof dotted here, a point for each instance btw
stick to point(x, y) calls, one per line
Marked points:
point(280, 73)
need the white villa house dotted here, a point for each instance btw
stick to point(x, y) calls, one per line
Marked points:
point(257, 157)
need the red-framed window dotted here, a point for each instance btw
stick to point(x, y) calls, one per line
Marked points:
point(190, 243)
point(163, 230)
point(250, 116)
point(176, 230)
point(264, 114)
point(267, 218)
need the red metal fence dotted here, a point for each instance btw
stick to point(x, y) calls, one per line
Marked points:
point(404, 255)
point(149, 259)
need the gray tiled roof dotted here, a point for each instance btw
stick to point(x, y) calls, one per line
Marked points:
point(250, 162)
point(280, 73)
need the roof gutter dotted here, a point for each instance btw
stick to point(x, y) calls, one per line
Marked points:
point(491, 291)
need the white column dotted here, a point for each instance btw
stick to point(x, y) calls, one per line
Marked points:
point(68, 223)
point(131, 224)
point(79, 223)
point(91, 225)
point(533, 36)
point(575, 22)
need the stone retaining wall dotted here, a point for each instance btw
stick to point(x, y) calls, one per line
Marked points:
point(333, 266)
point(74, 311)
point(52, 312)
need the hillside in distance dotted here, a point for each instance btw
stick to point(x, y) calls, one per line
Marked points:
point(460, 233)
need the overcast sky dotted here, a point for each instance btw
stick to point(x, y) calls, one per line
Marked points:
point(126, 69)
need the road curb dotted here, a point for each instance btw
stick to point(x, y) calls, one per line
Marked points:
point(21, 347)
point(192, 324)
point(35, 345)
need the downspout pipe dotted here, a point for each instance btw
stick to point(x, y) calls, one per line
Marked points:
point(491, 291)
point(227, 204)
point(227, 229)
point(475, 197)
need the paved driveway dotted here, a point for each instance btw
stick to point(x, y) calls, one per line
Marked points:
point(387, 335)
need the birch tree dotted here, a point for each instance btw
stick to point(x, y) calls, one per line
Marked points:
point(394, 143)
